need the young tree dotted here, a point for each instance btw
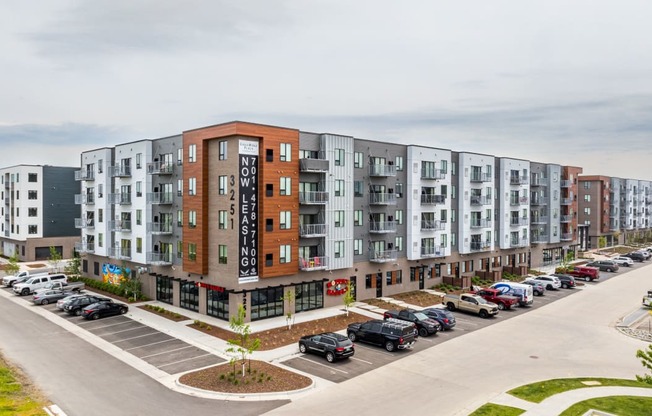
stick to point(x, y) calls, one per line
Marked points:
point(289, 301)
point(55, 258)
point(646, 360)
point(242, 346)
point(348, 298)
point(12, 267)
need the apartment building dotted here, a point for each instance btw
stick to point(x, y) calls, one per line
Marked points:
point(38, 211)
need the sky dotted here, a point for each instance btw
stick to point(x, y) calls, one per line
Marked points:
point(554, 81)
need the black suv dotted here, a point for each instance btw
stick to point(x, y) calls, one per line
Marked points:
point(567, 281)
point(390, 334)
point(329, 344)
point(445, 318)
point(76, 305)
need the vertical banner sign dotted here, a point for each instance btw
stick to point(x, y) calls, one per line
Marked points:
point(248, 204)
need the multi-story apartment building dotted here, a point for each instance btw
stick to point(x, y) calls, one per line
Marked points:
point(38, 211)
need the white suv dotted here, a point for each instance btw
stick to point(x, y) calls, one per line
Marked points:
point(549, 282)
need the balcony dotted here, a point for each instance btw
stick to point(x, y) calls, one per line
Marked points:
point(433, 225)
point(480, 245)
point(540, 219)
point(120, 198)
point(429, 199)
point(123, 253)
point(120, 226)
point(84, 199)
point(432, 251)
point(120, 171)
point(480, 200)
point(159, 228)
point(566, 237)
point(160, 198)
point(313, 230)
point(160, 168)
point(313, 165)
point(520, 242)
point(480, 223)
point(382, 256)
point(518, 180)
point(156, 258)
point(84, 175)
point(382, 170)
point(313, 263)
point(382, 227)
point(518, 221)
point(566, 218)
point(480, 177)
point(565, 183)
point(539, 238)
point(313, 197)
point(382, 198)
point(539, 201)
point(85, 247)
point(84, 223)
point(433, 174)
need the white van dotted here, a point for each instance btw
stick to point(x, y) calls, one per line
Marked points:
point(37, 282)
point(523, 291)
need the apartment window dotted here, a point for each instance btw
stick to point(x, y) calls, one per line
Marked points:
point(192, 184)
point(179, 218)
point(139, 188)
point(100, 215)
point(223, 181)
point(399, 216)
point(339, 157)
point(222, 255)
point(338, 251)
point(357, 217)
point(587, 198)
point(339, 187)
point(100, 240)
point(358, 187)
point(139, 245)
point(285, 221)
point(399, 162)
point(179, 157)
point(32, 229)
point(339, 218)
point(286, 152)
point(192, 153)
point(357, 246)
point(222, 151)
point(222, 220)
point(398, 243)
point(286, 186)
point(399, 190)
point(139, 160)
point(192, 251)
point(285, 252)
point(32, 177)
point(192, 219)
point(32, 195)
point(139, 217)
point(358, 160)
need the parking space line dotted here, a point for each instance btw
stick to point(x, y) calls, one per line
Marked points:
point(181, 361)
point(140, 336)
point(125, 330)
point(165, 352)
point(153, 343)
point(323, 365)
point(364, 361)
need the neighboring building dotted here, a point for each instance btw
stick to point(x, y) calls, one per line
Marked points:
point(38, 211)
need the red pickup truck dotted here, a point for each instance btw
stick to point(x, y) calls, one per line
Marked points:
point(495, 296)
point(584, 272)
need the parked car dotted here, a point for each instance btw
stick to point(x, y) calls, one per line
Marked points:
point(77, 305)
point(103, 309)
point(425, 325)
point(390, 334)
point(636, 256)
point(604, 265)
point(623, 261)
point(445, 318)
point(537, 287)
point(551, 282)
point(329, 344)
point(43, 297)
point(567, 281)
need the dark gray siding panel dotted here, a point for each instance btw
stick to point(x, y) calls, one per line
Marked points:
point(59, 208)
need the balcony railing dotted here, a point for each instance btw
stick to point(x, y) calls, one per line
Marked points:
point(480, 200)
point(313, 197)
point(84, 223)
point(87, 199)
point(433, 174)
point(480, 223)
point(480, 245)
point(432, 225)
point(432, 251)
point(382, 227)
point(120, 198)
point(382, 256)
point(85, 247)
point(161, 198)
point(160, 168)
point(382, 170)
point(159, 228)
point(313, 263)
point(480, 177)
point(518, 180)
point(382, 198)
point(120, 252)
point(120, 171)
point(84, 175)
point(120, 226)
point(429, 199)
point(159, 259)
point(313, 165)
point(566, 236)
point(313, 230)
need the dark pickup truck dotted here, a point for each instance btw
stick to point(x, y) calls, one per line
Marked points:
point(425, 325)
point(389, 334)
point(495, 296)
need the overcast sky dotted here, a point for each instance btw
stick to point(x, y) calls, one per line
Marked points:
point(566, 82)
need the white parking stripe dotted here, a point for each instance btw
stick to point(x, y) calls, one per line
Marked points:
point(165, 352)
point(323, 365)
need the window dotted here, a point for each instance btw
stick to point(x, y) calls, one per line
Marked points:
point(338, 251)
point(32, 212)
point(358, 160)
point(32, 177)
point(32, 229)
point(32, 195)
point(339, 187)
point(192, 184)
point(587, 198)
point(222, 220)
point(285, 222)
point(339, 157)
point(286, 186)
point(357, 217)
point(358, 187)
point(223, 146)
point(285, 253)
point(339, 218)
point(139, 217)
point(179, 156)
point(139, 245)
point(357, 247)
point(222, 185)
point(139, 160)
point(192, 219)
point(398, 243)
point(399, 216)
point(286, 152)
point(139, 188)
point(192, 153)
point(179, 218)
point(222, 254)
point(192, 251)
point(399, 162)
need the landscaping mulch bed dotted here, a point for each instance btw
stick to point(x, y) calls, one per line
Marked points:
point(173, 316)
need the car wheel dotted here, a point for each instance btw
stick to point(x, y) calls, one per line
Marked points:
point(78, 312)
point(123, 311)
point(389, 346)
point(423, 332)
point(484, 313)
point(330, 357)
point(45, 302)
point(501, 306)
point(352, 336)
point(450, 306)
point(302, 348)
point(96, 316)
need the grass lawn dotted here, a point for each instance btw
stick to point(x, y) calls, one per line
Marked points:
point(617, 405)
point(537, 392)
point(17, 396)
point(491, 409)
